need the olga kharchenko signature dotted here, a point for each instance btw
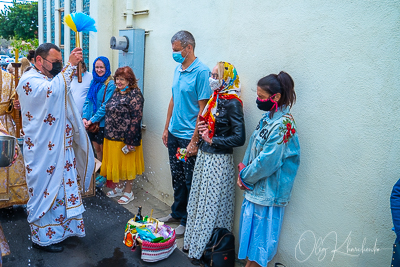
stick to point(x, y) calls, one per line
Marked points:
point(310, 245)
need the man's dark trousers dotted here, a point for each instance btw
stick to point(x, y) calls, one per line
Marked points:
point(181, 173)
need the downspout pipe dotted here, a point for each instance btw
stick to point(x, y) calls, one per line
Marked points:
point(129, 13)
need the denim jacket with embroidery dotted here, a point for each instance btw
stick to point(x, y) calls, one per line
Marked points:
point(272, 159)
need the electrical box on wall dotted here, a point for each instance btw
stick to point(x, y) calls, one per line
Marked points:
point(119, 43)
point(133, 54)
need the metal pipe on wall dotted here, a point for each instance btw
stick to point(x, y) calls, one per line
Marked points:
point(129, 13)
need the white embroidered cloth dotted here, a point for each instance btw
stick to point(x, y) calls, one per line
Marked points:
point(46, 109)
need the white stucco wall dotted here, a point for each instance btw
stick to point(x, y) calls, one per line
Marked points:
point(102, 12)
point(344, 59)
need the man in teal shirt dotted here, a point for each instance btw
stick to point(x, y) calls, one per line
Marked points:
point(190, 93)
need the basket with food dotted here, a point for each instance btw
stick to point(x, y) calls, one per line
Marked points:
point(156, 239)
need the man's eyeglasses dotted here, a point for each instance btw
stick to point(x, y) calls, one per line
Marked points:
point(60, 61)
point(213, 75)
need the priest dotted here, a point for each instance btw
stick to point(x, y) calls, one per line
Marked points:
point(58, 156)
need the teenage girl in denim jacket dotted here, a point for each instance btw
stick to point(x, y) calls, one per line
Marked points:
point(268, 170)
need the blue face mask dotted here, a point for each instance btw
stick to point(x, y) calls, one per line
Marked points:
point(177, 56)
point(126, 87)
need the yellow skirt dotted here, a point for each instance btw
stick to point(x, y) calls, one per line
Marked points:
point(117, 166)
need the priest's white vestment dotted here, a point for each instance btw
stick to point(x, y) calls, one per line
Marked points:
point(58, 156)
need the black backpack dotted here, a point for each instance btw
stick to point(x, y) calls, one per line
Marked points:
point(220, 250)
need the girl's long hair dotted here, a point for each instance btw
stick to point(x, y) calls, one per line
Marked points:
point(281, 83)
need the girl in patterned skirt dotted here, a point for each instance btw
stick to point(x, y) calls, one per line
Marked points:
point(221, 127)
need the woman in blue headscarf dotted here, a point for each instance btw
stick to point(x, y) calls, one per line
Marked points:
point(100, 91)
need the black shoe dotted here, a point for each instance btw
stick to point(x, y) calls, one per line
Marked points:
point(195, 262)
point(185, 250)
point(52, 248)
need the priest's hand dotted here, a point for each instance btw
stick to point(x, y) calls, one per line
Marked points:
point(76, 56)
point(17, 105)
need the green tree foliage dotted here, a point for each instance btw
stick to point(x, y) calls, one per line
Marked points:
point(24, 45)
point(19, 21)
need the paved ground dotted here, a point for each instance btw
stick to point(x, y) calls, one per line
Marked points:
point(160, 209)
point(105, 222)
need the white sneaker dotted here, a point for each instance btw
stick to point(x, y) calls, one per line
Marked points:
point(169, 218)
point(180, 231)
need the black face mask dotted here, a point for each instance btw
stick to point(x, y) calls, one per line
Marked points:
point(56, 68)
point(266, 105)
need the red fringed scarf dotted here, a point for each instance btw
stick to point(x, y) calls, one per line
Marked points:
point(208, 116)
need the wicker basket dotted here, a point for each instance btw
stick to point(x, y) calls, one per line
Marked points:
point(152, 252)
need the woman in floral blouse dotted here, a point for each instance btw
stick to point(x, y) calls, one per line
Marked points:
point(123, 133)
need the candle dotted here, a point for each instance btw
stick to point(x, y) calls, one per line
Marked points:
point(16, 55)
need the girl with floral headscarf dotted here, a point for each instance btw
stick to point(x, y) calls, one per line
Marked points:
point(221, 127)
point(100, 91)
